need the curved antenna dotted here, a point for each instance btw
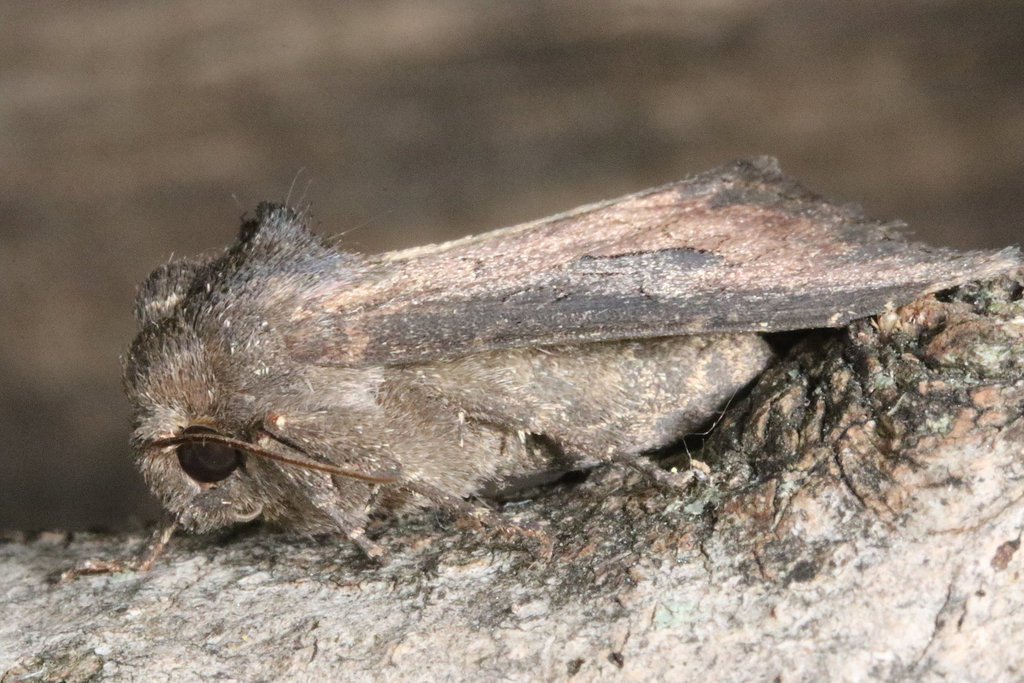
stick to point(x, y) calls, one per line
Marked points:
point(250, 449)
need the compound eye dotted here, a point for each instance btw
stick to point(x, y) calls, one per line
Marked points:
point(207, 461)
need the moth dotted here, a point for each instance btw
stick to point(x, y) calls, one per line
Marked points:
point(291, 381)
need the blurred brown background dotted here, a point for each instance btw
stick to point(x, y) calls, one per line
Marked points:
point(130, 131)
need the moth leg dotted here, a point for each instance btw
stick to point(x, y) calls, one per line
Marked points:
point(673, 480)
point(142, 562)
point(156, 545)
point(352, 525)
point(374, 551)
point(479, 515)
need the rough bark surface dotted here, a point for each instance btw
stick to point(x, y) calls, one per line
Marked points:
point(862, 519)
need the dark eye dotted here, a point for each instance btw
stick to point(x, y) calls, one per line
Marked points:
point(207, 461)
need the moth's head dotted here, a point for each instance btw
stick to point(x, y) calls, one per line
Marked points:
point(181, 417)
point(209, 367)
point(198, 378)
point(212, 450)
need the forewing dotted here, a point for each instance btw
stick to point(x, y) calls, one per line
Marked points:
point(741, 248)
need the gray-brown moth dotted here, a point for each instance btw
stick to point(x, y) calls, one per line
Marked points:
point(291, 381)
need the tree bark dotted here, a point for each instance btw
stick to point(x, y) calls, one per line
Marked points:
point(861, 519)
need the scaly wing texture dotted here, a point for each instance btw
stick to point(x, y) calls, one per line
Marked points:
point(740, 248)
